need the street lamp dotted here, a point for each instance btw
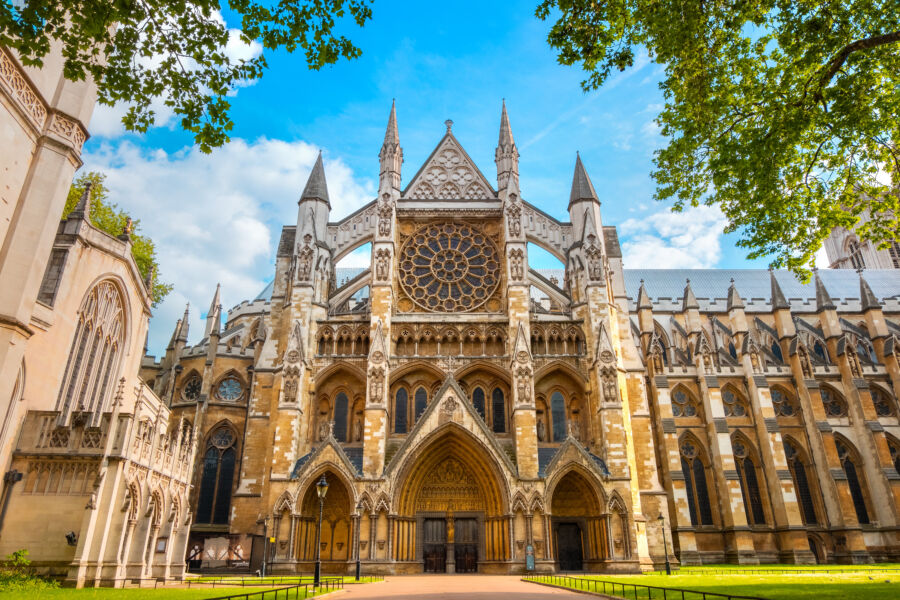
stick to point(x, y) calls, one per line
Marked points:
point(321, 490)
point(359, 509)
point(662, 525)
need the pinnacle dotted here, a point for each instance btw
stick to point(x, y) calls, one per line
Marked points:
point(690, 300)
point(582, 188)
point(867, 298)
point(316, 187)
point(643, 299)
point(734, 297)
point(392, 134)
point(83, 208)
point(506, 136)
point(778, 300)
point(823, 298)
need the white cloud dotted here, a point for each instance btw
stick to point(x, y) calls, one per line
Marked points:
point(217, 217)
point(106, 121)
point(667, 240)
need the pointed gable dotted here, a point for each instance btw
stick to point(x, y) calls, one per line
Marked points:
point(449, 174)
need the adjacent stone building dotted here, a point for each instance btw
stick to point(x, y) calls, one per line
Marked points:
point(96, 471)
point(470, 412)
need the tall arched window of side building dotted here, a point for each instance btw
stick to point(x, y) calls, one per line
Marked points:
point(219, 460)
point(558, 416)
point(749, 479)
point(478, 401)
point(498, 402)
point(340, 417)
point(800, 475)
point(94, 356)
point(694, 471)
point(856, 257)
point(852, 469)
point(420, 401)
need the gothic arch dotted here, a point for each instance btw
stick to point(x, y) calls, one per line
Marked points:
point(751, 478)
point(518, 503)
point(342, 250)
point(230, 374)
point(562, 366)
point(600, 496)
point(451, 442)
point(327, 468)
point(333, 368)
point(285, 502)
point(419, 365)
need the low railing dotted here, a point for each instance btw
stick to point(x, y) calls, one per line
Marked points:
point(291, 592)
point(764, 571)
point(631, 590)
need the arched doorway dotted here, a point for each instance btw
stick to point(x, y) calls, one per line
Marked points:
point(336, 533)
point(579, 528)
point(451, 509)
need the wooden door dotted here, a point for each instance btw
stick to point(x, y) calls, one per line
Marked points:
point(435, 545)
point(568, 547)
point(465, 547)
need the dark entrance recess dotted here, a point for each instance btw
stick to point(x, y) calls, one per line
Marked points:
point(568, 544)
point(465, 545)
point(434, 548)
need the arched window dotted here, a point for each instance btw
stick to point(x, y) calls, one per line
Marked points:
point(400, 400)
point(558, 416)
point(734, 404)
point(421, 402)
point(834, 404)
point(684, 404)
point(856, 257)
point(851, 470)
point(784, 404)
point(695, 484)
point(820, 352)
point(340, 417)
point(94, 355)
point(776, 352)
point(478, 401)
point(884, 404)
point(801, 483)
point(746, 469)
point(218, 474)
point(894, 447)
point(498, 405)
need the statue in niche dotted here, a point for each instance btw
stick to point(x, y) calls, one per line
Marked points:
point(610, 389)
point(358, 430)
point(382, 256)
point(376, 384)
point(541, 429)
point(514, 217)
point(805, 367)
point(385, 215)
point(290, 390)
point(305, 260)
point(517, 264)
point(324, 428)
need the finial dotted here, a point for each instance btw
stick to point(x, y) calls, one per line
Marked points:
point(732, 280)
point(688, 280)
point(449, 124)
point(642, 281)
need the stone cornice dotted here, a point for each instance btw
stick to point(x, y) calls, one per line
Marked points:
point(44, 120)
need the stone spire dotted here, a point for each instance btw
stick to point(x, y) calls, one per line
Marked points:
point(643, 299)
point(83, 208)
point(690, 300)
point(778, 300)
point(316, 188)
point(506, 155)
point(214, 315)
point(582, 188)
point(867, 298)
point(823, 298)
point(174, 335)
point(391, 155)
point(734, 298)
point(185, 325)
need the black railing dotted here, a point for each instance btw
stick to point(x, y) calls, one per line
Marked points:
point(290, 592)
point(764, 571)
point(251, 581)
point(635, 591)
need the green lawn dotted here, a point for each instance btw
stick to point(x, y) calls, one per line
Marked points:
point(801, 586)
point(129, 594)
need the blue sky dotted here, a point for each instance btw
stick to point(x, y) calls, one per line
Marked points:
point(216, 217)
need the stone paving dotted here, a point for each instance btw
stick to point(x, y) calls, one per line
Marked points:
point(456, 587)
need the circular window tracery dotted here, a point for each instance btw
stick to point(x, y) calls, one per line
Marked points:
point(191, 390)
point(229, 389)
point(449, 267)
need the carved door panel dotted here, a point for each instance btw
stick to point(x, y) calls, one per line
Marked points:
point(568, 545)
point(434, 547)
point(465, 547)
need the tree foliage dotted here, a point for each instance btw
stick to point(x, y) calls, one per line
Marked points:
point(142, 50)
point(107, 217)
point(784, 113)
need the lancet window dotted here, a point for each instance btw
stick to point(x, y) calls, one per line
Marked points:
point(851, 465)
point(341, 417)
point(214, 502)
point(694, 471)
point(400, 400)
point(478, 401)
point(94, 355)
point(884, 404)
point(800, 476)
point(421, 402)
point(498, 405)
point(558, 416)
point(747, 471)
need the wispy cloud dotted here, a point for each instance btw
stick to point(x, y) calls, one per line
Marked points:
point(667, 240)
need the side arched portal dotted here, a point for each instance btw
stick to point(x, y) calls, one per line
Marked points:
point(579, 524)
point(336, 534)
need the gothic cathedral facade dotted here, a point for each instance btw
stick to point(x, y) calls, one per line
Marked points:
point(471, 413)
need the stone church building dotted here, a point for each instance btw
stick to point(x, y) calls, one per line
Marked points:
point(470, 412)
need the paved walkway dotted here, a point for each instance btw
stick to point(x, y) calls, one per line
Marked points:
point(456, 587)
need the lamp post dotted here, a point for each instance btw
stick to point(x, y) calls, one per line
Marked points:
point(321, 490)
point(265, 523)
point(662, 525)
point(359, 509)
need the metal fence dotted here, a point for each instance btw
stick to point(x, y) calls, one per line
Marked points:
point(251, 581)
point(291, 592)
point(764, 571)
point(635, 591)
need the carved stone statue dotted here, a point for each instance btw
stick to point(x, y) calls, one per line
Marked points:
point(324, 428)
point(541, 429)
point(385, 215)
point(382, 256)
point(376, 383)
point(290, 390)
point(610, 389)
point(514, 217)
point(304, 262)
point(516, 264)
point(358, 430)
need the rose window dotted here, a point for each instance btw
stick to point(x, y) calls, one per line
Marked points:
point(450, 267)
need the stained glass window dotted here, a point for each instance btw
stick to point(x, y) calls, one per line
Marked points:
point(558, 415)
point(216, 480)
point(853, 481)
point(695, 485)
point(421, 402)
point(400, 400)
point(340, 417)
point(801, 484)
point(499, 409)
point(478, 401)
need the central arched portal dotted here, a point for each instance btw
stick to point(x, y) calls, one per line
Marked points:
point(451, 509)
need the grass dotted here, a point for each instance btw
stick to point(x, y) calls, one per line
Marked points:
point(798, 586)
point(287, 579)
point(125, 594)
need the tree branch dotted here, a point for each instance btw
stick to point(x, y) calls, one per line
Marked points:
point(840, 58)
